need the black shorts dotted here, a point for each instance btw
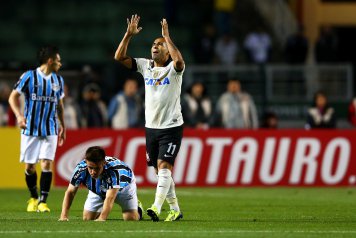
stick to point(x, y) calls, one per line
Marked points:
point(163, 144)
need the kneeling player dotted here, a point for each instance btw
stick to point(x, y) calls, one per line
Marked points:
point(109, 181)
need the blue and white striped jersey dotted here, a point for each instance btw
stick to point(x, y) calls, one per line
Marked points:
point(116, 174)
point(42, 94)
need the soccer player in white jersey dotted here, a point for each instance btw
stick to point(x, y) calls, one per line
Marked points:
point(164, 121)
point(43, 92)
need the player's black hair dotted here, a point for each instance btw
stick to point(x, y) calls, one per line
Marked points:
point(233, 80)
point(317, 94)
point(95, 154)
point(47, 52)
point(190, 88)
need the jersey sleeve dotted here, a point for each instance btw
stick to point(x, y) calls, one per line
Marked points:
point(141, 64)
point(61, 90)
point(23, 83)
point(77, 177)
point(115, 179)
point(178, 72)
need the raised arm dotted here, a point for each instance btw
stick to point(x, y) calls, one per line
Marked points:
point(67, 202)
point(132, 29)
point(173, 50)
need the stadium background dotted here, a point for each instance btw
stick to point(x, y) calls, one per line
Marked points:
point(87, 34)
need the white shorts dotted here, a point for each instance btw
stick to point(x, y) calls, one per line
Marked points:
point(126, 198)
point(34, 148)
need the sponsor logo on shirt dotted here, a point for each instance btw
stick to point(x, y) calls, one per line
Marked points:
point(158, 82)
point(35, 97)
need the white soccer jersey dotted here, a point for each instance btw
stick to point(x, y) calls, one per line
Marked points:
point(162, 94)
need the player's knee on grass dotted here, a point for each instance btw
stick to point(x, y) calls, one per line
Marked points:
point(89, 216)
point(131, 215)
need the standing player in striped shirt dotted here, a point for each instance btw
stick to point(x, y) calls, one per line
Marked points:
point(43, 92)
point(164, 121)
point(109, 181)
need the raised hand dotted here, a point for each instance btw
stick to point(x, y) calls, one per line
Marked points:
point(164, 24)
point(132, 25)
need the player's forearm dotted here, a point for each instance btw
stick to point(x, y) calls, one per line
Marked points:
point(175, 53)
point(60, 113)
point(107, 207)
point(67, 202)
point(120, 54)
point(14, 103)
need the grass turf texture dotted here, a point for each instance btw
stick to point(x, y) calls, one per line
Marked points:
point(208, 212)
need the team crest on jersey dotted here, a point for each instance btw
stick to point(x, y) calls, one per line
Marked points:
point(155, 74)
point(103, 188)
point(56, 87)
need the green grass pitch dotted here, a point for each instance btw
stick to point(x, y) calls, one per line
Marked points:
point(208, 212)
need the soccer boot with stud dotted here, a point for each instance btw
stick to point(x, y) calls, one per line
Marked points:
point(153, 213)
point(32, 205)
point(43, 207)
point(174, 215)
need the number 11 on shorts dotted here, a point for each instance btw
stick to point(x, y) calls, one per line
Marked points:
point(170, 147)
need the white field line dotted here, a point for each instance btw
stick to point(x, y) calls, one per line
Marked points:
point(187, 193)
point(185, 231)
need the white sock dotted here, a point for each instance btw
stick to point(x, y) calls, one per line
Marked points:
point(163, 185)
point(172, 198)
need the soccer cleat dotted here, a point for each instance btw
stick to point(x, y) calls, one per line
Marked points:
point(140, 210)
point(153, 213)
point(32, 205)
point(174, 215)
point(42, 207)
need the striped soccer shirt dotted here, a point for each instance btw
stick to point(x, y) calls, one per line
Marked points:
point(42, 94)
point(116, 174)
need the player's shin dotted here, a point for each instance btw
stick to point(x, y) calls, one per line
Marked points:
point(163, 185)
point(31, 181)
point(45, 184)
point(172, 198)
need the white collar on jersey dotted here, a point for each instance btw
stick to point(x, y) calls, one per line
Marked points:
point(43, 75)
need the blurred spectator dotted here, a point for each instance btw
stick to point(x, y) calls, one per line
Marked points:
point(352, 112)
point(327, 46)
point(223, 11)
point(5, 91)
point(235, 109)
point(270, 121)
point(126, 107)
point(89, 75)
point(226, 49)
point(321, 115)
point(258, 46)
point(92, 107)
point(196, 107)
point(204, 52)
point(296, 49)
point(71, 109)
